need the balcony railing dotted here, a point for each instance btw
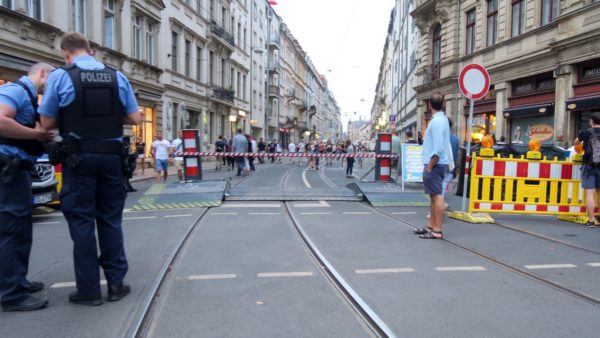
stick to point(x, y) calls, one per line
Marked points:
point(432, 72)
point(275, 42)
point(224, 94)
point(218, 30)
point(275, 67)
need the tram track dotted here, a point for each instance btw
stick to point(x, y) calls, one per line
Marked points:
point(511, 267)
point(364, 312)
point(142, 322)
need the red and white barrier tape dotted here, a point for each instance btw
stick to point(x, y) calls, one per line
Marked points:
point(326, 155)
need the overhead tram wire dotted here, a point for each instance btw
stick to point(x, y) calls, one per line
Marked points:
point(343, 40)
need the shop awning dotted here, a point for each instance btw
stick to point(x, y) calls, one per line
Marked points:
point(583, 103)
point(530, 110)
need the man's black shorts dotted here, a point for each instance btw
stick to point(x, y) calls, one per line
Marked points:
point(433, 181)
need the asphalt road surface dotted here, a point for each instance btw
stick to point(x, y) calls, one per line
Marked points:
point(286, 255)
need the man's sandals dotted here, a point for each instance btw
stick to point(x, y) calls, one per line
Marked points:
point(428, 233)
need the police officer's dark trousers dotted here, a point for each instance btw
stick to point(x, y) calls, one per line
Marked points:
point(93, 195)
point(15, 237)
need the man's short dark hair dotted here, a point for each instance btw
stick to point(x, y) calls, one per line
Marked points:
point(409, 133)
point(239, 130)
point(595, 117)
point(437, 101)
point(74, 41)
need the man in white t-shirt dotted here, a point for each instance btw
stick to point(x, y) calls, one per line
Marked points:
point(292, 150)
point(160, 155)
point(177, 147)
point(301, 150)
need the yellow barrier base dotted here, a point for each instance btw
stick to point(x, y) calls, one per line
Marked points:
point(471, 217)
point(580, 219)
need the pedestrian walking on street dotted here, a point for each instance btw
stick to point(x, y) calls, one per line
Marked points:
point(272, 148)
point(278, 151)
point(292, 150)
point(140, 148)
point(161, 150)
point(436, 157)
point(177, 147)
point(590, 176)
point(349, 160)
point(230, 159)
point(240, 145)
point(220, 148)
point(252, 148)
point(301, 149)
point(20, 145)
point(328, 151)
point(90, 102)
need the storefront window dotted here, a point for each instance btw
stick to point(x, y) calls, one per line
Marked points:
point(144, 131)
point(484, 124)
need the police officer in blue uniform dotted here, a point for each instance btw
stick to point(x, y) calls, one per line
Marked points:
point(20, 145)
point(90, 102)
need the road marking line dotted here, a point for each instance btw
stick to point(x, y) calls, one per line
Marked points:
point(173, 216)
point(283, 274)
point(321, 204)
point(264, 213)
point(356, 213)
point(46, 222)
point(593, 264)
point(141, 217)
point(550, 266)
point(404, 213)
point(371, 271)
point(460, 268)
point(209, 277)
point(315, 213)
point(224, 213)
point(305, 180)
point(246, 205)
point(70, 284)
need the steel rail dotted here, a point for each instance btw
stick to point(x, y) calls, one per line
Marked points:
point(363, 310)
point(510, 267)
point(143, 318)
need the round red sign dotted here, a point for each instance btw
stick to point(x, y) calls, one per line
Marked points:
point(474, 81)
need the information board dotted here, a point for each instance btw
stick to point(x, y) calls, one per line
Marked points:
point(412, 163)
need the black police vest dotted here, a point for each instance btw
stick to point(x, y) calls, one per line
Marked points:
point(32, 147)
point(96, 112)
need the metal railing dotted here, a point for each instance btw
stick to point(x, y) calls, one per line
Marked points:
point(224, 94)
point(218, 30)
point(274, 90)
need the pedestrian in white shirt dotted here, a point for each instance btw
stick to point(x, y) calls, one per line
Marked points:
point(160, 156)
point(292, 150)
point(177, 147)
point(301, 150)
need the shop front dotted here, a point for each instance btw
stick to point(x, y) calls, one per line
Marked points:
point(586, 99)
point(484, 117)
point(530, 111)
point(144, 131)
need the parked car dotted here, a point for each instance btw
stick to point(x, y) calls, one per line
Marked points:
point(505, 150)
point(44, 183)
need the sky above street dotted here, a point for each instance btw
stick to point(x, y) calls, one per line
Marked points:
point(345, 40)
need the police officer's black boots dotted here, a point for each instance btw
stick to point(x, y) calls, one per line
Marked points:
point(30, 303)
point(118, 291)
point(77, 298)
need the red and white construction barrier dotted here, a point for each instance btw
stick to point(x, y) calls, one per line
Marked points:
point(327, 155)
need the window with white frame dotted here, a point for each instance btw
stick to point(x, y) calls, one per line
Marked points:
point(549, 11)
point(188, 58)
point(137, 37)
point(518, 17)
point(199, 64)
point(109, 24)
point(150, 42)
point(34, 9)
point(79, 16)
point(174, 50)
point(470, 42)
point(492, 22)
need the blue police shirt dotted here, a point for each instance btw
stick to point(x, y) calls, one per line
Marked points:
point(14, 96)
point(437, 139)
point(60, 93)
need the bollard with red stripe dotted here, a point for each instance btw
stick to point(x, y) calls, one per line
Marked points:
point(192, 163)
point(383, 166)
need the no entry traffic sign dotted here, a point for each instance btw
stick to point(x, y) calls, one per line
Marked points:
point(474, 81)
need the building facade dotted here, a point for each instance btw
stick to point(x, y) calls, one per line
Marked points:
point(542, 56)
point(212, 65)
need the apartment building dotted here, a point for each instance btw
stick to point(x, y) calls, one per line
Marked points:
point(212, 65)
point(542, 56)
